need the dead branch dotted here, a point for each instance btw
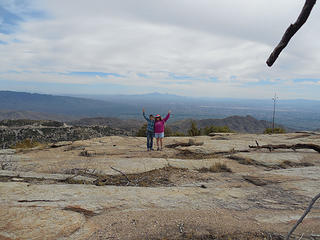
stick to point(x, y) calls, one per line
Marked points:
point(292, 29)
point(293, 147)
point(303, 216)
point(121, 173)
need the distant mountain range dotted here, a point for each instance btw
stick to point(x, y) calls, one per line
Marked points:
point(60, 105)
point(294, 114)
point(6, 114)
point(239, 124)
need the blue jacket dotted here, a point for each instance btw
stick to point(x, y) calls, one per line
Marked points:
point(150, 126)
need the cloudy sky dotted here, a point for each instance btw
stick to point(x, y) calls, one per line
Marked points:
point(184, 47)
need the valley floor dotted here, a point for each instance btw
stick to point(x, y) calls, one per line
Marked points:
point(196, 188)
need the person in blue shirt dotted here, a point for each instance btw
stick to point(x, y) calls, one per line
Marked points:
point(150, 130)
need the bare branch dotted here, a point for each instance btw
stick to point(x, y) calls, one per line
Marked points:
point(303, 216)
point(121, 173)
point(293, 147)
point(292, 29)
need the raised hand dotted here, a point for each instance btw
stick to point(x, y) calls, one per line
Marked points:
point(142, 109)
point(169, 111)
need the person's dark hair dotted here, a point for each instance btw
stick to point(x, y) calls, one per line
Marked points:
point(150, 115)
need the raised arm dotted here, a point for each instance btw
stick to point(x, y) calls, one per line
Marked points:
point(167, 117)
point(144, 115)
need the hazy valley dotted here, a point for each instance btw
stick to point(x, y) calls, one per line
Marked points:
point(293, 114)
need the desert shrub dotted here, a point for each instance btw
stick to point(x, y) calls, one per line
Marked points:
point(216, 167)
point(27, 143)
point(215, 129)
point(276, 130)
point(194, 131)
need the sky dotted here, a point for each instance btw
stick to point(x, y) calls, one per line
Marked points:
point(203, 48)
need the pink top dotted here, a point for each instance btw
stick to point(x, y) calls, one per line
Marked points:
point(159, 125)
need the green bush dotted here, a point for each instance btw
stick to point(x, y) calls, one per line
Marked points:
point(276, 130)
point(216, 129)
point(194, 131)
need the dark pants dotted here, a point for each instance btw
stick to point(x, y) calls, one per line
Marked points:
point(150, 136)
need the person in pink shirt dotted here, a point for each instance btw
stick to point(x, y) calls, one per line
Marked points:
point(159, 129)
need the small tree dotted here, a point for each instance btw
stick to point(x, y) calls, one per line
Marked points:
point(194, 131)
point(276, 130)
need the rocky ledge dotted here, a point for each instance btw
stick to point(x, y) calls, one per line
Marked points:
point(16, 131)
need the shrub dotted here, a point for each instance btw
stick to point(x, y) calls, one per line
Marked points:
point(276, 130)
point(194, 131)
point(27, 143)
point(215, 129)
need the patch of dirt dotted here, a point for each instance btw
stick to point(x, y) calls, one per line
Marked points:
point(247, 161)
point(78, 209)
point(187, 154)
point(289, 164)
point(257, 181)
point(285, 164)
point(183, 144)
point(155, 178)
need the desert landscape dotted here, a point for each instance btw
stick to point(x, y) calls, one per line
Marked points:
point(206, 187)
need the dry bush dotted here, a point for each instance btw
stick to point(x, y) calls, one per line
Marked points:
point(26, 144)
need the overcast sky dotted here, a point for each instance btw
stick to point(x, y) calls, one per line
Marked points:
point(184, 47)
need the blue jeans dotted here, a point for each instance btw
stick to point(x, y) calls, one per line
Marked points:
point(150, 136)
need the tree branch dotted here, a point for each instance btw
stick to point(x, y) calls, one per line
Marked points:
point(293, 147)
point(292, 29)
point(303, 216)
point(121, 173)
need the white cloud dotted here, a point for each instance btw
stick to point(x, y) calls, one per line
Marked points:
point(201, 39)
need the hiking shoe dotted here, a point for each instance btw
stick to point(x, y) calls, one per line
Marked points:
point(158, 149)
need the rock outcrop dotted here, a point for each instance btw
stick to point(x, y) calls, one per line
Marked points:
point(15, 131)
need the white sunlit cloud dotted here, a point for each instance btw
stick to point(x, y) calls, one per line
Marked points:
point(203, 48)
